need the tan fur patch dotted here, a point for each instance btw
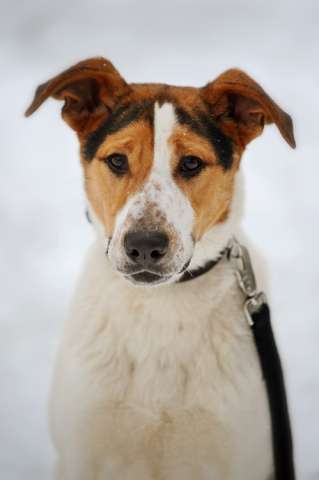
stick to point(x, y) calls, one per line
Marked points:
point(210, 192)
point(108, 192)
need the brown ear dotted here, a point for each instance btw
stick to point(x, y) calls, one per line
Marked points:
point(90, 90)
point(242, 107)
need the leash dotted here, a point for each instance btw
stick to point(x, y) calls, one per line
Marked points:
point(258, 317)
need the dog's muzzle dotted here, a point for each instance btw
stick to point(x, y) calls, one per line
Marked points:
point(146, 251)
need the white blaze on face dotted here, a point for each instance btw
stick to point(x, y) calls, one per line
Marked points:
point(175, 213)
point(169, 198)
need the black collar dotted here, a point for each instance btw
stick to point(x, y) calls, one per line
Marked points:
point(199, 271)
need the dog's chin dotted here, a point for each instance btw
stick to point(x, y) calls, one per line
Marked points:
point(149, 278)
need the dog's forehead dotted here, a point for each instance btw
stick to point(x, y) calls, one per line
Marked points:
point(150, 101)
point(139, 105)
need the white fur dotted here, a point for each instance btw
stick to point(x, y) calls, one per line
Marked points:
point(160, 192)
point(164, 383)
point(170, 199)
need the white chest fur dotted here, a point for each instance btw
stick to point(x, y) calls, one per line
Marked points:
point(159, 383)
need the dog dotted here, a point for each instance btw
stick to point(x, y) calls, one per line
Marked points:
point(157, 378)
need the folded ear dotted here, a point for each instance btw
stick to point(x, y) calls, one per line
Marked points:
point(89, 89)
point(241, 106)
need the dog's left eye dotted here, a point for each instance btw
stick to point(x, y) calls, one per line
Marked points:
point(118, 163)
point(190, 165)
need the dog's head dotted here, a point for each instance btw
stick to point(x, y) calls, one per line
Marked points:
point(159, 161)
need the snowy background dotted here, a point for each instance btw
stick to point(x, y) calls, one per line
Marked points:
point(43, 229)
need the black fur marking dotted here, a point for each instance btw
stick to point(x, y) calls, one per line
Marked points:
point(203, 124)
point(118, 119)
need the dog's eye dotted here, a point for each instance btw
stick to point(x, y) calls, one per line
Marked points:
point(190, 165)
point(117, 162)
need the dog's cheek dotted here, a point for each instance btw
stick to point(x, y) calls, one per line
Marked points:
point(207, 219)
point(211, 198)
point(104, 194)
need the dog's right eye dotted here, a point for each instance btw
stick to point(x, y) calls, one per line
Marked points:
point(190, 165)
point(117, 163)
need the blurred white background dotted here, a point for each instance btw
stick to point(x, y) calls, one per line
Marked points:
point(44, 233)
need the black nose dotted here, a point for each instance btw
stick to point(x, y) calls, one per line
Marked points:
point(145, 248)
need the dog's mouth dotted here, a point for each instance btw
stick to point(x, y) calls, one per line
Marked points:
point(151, 277)
point(147, 277)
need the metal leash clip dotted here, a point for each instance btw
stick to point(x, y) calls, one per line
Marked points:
point(241, 263)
